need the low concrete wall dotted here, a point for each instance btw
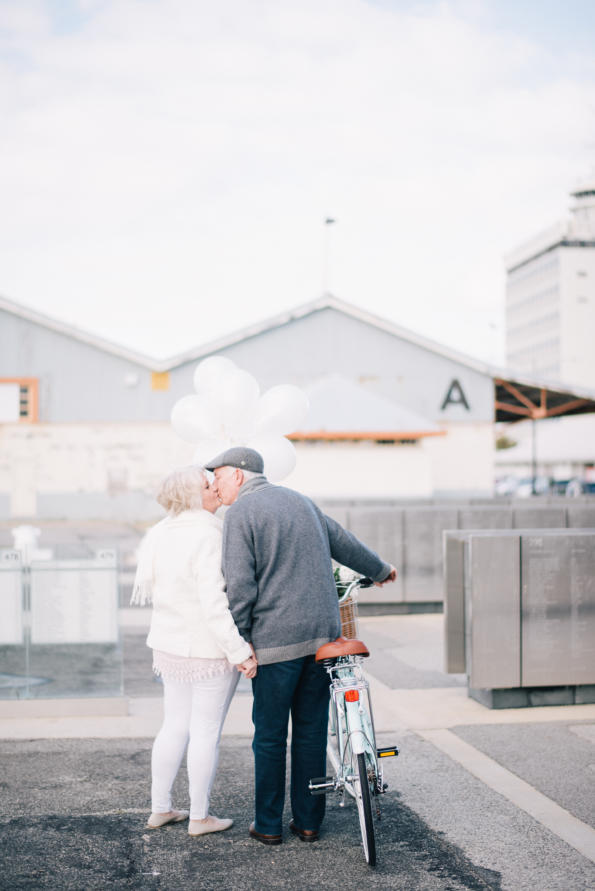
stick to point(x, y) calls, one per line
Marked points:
point(410, 536)
point(5, 505)
point(123, 507)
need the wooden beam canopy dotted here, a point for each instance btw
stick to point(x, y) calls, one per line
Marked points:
point(515, 401)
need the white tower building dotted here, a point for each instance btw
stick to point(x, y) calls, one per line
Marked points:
point(550, 298)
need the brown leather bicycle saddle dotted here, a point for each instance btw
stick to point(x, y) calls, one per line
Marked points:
point(341, 647)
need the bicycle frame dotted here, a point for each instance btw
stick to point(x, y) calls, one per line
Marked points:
point(352, 723)
point(351, 746)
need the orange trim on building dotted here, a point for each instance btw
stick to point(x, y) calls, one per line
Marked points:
point(368, 435)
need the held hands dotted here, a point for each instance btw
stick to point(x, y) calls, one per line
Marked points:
point(248, 667)
point(390, 577)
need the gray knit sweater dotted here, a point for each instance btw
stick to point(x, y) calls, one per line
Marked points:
point(277, 549)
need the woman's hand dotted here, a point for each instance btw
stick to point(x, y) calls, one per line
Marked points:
point(248, 667)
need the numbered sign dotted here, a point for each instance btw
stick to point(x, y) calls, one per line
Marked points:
point(11, 598)
point(75, 601)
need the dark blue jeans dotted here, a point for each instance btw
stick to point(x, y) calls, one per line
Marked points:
point(298, 687)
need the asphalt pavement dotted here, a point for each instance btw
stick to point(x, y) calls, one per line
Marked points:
point(477, 798)
point(80, 825)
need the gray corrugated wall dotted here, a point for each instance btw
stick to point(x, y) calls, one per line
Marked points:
point(79, 382)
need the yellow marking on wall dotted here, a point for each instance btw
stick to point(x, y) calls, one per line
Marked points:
point(160, 380)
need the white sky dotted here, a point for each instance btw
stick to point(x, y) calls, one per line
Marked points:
point(166, 165)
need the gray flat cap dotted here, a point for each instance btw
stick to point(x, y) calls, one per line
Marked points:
point(239, 456)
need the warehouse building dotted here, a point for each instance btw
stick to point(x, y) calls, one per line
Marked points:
point(84, 423)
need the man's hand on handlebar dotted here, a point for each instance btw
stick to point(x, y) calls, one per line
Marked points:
point(390, 578)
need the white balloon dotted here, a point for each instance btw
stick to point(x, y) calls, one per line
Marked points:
point(278, 453)
point(210, 372)
point(237, 399)
point(209, 448)
point(194, 418)
point(280, 410)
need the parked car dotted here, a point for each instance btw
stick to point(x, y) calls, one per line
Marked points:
point(506, 485)
point(578, 486)
point(525, 487)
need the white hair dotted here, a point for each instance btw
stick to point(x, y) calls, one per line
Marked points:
point(248, 474)
point(182, 489)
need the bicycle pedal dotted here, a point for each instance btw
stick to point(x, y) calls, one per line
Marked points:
point(387, 752)
point(321, 785)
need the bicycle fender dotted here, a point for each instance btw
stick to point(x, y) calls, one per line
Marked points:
point(357, 737)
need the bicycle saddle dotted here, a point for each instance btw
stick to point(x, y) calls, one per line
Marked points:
point(341, 647)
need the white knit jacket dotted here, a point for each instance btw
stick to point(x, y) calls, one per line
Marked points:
point(180, 570)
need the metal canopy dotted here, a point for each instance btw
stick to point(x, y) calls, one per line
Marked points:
point(517, 400)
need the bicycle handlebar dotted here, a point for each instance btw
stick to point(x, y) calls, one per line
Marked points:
point(350, 587)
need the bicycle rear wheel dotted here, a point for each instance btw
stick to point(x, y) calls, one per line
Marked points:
point(361, 785)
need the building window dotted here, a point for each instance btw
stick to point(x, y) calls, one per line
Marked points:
point(18, 400)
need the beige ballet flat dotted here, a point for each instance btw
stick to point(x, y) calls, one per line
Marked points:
point(211, 824)
point(156, 821)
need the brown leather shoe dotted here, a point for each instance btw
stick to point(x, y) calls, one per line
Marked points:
point(308, 835)
point(265, 839)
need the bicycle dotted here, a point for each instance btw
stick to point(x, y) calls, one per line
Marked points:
point(352, 751)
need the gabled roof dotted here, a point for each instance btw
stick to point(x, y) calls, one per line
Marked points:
point(328, 301)
point(31, 315)
point(505, 380)
point(340, 409)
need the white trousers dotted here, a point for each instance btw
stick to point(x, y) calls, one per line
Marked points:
point(193, 716)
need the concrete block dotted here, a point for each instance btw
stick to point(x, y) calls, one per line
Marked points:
point(5, 506)
point(581, 516)
point(492, 610)
point(481, 517)
point(584, 693)
point(381, 528)
point(514, 698)
point(538, 517)
point(551, 696)
point(558, 608)
point(422, 544)
point(398, 609)
point(337, 512)
point(130, 506)
point(454, 602)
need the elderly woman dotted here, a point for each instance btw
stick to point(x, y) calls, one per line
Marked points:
point(195, 644)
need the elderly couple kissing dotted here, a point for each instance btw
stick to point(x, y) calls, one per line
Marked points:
point(255, 595)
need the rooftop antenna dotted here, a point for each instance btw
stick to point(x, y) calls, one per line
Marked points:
point(326, 256)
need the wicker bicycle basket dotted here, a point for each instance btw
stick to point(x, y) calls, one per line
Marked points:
point(348, 610)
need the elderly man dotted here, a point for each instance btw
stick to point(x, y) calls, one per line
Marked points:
point(277, 550)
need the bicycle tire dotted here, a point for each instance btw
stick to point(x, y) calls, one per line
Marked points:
point(364, 809)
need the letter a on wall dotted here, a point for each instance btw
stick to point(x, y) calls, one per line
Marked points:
point(455, 396)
